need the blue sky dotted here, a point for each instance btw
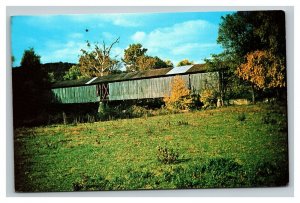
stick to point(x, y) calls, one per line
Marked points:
point(173, 36)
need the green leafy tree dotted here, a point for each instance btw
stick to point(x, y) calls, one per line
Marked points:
point(146, 63)
point(185, 62)
point(219, 62)
point(230, 85)
point(136, 59)
point(236, 35)
point(247, 31)
point(51, 77)
point(132, 55)
point(160, 63)
point(169, 63)
point(73, 73)
point(98, 61)
point(57, 70)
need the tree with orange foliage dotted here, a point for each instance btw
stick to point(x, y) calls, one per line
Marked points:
point(263, 70)
point(179, 98)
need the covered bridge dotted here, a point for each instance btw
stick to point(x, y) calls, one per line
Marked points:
point(134, 85)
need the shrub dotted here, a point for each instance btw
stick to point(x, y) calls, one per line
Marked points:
point(208, 97)
point(215, 173)
point(91, 183)
point(182, 123)
point(150, 130)
point(139, 179)
point(179, 98)
point(138, 111)
point(167, 155)
point(269, 118)
point(79, 185)
point(196, 102)
point(241, 117)
point(269, 174)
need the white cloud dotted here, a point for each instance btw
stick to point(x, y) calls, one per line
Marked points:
point(76, 35)
point(182, 40)
point(108, 36)
point(192, 47)
point(180, 33)
point(138, 36)
point(65, 52)
point(124, 20)
point(70, 51)
point(120, 19)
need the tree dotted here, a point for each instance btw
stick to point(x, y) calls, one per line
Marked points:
point(185, 62)
point(160, 63)
point(236, 35)
point(179, 98)
point(220, 63)
point(136, 59)
point(230, 86)
point(57, 70)
point(263, 70)
point(169, 63)
point(13, 59)
point(269, 27)
point(148, 62)
point(51, 77)
point(98, 61)
point(30, 60)
point(243, 33)
point(73, 73)
point(131, 56)
point(145, 63)
point(31, 95)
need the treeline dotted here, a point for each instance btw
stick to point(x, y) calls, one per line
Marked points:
point(56, 71)
point(253, 63)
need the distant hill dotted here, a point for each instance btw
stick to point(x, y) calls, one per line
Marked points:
point(58, 69)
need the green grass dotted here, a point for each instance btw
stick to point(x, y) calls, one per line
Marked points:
point(215, 147)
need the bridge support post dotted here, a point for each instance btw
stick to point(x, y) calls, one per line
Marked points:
point(101, 107)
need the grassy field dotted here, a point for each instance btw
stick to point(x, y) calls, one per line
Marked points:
point(242, 146)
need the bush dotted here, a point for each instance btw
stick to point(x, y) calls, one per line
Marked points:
point(241, 117)
point(167, 155)
point(269, 174)
point(139, 179)
point(269, 118)
point(182, 123)
point(196, 102)
point(215, 173)
point(138, 111)
point(208, 97)
point(87, 183)
point(179, 98)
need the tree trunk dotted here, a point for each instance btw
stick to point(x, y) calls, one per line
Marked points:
point(253, 94)
point(221, 87)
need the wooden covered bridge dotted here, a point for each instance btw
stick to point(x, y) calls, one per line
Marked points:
point(134, 85)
